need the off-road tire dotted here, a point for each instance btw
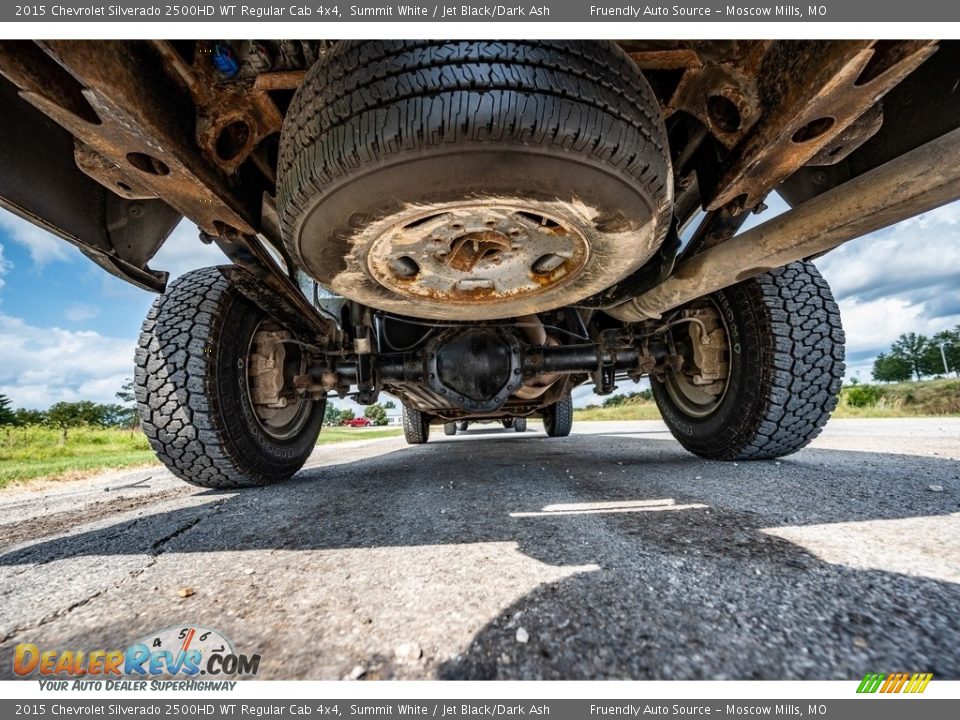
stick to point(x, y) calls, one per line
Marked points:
point(450, 428)
point(190, 386)
point(377, 127)
point(416, 426)
point(558, 418)
point(520, 425)
point(786, 369)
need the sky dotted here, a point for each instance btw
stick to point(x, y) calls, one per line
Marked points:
point(68, 329)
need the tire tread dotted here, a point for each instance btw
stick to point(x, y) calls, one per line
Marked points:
point(369, 101)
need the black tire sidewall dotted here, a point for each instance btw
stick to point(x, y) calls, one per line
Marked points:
point(269, 458)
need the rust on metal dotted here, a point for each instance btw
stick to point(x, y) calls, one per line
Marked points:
point(136, 130)
point(813, 91)
point(258, 277)
point(232, 119)
point(279, 80)
point(722, 90)
point(470, 249)
point(671, 58)
point(479, 254)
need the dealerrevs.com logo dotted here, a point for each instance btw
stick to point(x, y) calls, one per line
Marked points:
point(179, 652)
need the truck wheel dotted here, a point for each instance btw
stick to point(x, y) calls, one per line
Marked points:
point(450, 428)
point(416, 426)
point(558, 418)
point(507, 423)
point(520, 424)
point(473, 179)
point(195, 382)
point(778, 378)
point(463, 426)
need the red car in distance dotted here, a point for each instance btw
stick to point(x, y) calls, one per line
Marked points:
point(357, 422)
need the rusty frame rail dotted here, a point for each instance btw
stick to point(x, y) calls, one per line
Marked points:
point(814, 91)
point(916, 182)
point(132, 123)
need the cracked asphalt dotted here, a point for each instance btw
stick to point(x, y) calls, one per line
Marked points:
point(609, 554)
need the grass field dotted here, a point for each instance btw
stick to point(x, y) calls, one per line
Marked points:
point(896, 400)
point(339, 434)
point(38, 452)
point(640, 410)
point(909, 399)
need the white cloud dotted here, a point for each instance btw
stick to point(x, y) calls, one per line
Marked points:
point(40, 366)
point(864, 332)
point(872, 326)
point(80, 312)
point(918, 259)
point(43, 246)
point(901, 279)
point(5, 267)
point(183, 252)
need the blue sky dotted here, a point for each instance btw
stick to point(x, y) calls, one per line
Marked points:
point(68, 328)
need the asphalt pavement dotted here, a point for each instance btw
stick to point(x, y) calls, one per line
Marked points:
point(609, 554)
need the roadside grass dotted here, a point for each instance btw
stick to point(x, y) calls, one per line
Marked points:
point(33, 452)
point(908, 399)
point(341, 434)
point(28, 453)
point(645, 410)
point(927, 398)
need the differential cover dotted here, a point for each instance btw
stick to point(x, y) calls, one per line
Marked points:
point(476, 369)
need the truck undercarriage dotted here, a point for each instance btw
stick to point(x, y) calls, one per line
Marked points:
point(477, 227)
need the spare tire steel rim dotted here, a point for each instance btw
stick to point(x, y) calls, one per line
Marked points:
point(477, 253)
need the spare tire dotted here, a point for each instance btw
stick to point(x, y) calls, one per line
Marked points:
point(476, 180)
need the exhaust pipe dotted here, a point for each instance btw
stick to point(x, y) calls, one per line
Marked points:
point(918, 181)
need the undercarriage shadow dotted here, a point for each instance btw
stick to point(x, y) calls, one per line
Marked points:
point(688, 582)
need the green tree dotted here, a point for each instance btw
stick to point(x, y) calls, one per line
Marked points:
point(376, 414)
point(113, 415)
point(914, 349)
point(389, 405)
point(890, 368)
point(74, 414)
point(331, 416)
point(346, 415)
point(23, 416)
point(946, 344)
point(7, 416)
point(129, 415)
